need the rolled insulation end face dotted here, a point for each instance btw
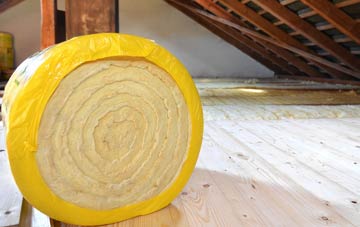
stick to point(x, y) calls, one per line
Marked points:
point(102, 128)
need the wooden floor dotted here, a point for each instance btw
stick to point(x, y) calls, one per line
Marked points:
point(285, 172)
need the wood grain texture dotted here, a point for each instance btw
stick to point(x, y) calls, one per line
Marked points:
point(274, 32)
point(279, 52)
point(87, 17)
point(228, 37)
point(334, 69)
point(310, 32)
point(269, 173)
point(48, 23)
point(335, 16)
point(31, 217)
point(282, 57)
point(309, 12)
point(10, 197)
point(301, 65)
point(287, 172)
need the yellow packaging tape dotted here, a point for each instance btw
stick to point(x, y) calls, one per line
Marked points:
point(102, 128)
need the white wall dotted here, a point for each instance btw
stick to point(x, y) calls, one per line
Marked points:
point(202, 52)
point(23, 21)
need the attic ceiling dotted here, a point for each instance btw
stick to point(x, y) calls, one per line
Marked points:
point(309, 38)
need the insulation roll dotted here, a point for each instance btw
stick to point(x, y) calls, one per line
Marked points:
point(102, 128)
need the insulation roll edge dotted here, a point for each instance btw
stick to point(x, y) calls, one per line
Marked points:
point(29, 90)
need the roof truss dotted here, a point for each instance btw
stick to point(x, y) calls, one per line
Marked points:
point(314, 38)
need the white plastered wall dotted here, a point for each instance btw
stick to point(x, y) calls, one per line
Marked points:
point(202, 52)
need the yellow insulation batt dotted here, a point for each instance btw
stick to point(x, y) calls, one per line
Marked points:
point(102, 128)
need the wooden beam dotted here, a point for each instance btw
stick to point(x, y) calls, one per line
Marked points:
point(87, 17)
point(52, 24)
point(287, 2)
point(276, 33)
point(6, 4)
point(269, 28)
point(320, 27)
point(283, 54)
point(284, 3)
point(336, 17)
point(309, 31)
point(252, 33)
point(215, 9)
point(308, 13)
point(219, 31)
point(48, 18)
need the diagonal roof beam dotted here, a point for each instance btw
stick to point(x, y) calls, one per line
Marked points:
point(309, 31)
point(219, 31)
point(6, 4)
point(280, 52)
point(307, 13)
point(336, 17)
point(275, 32)
point(281, 44)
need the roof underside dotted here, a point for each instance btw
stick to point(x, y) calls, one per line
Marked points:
point(307, 38)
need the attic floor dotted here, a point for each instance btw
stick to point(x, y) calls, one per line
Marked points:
point(269, 158)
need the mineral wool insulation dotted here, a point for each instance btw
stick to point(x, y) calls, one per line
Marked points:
point(102, 128)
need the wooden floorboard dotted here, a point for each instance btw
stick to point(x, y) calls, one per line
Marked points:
point(270, 173)
point(263, 163)
point(287, 183)
point(10, 197)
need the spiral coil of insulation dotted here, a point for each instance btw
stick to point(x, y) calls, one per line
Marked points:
point(102, 128)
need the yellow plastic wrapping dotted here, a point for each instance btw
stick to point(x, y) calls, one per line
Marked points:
point(28, 92)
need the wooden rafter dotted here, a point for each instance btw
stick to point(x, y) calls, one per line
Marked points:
point(308, 31)
point(52, 24)
point(285, 55)
point(336, 17)
point(284, 3)
point(216, 29)
point(342, 4)
point(293, 49)
point(308, 13)
point(320, 27)
point(336, 39)
point(88, 17)
point(261, 37)
point(277, 34)
point(250, 41)
point(6, 4)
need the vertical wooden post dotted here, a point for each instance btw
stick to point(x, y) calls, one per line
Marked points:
point(52, 23)
point(48, 13)
point(91, 16)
